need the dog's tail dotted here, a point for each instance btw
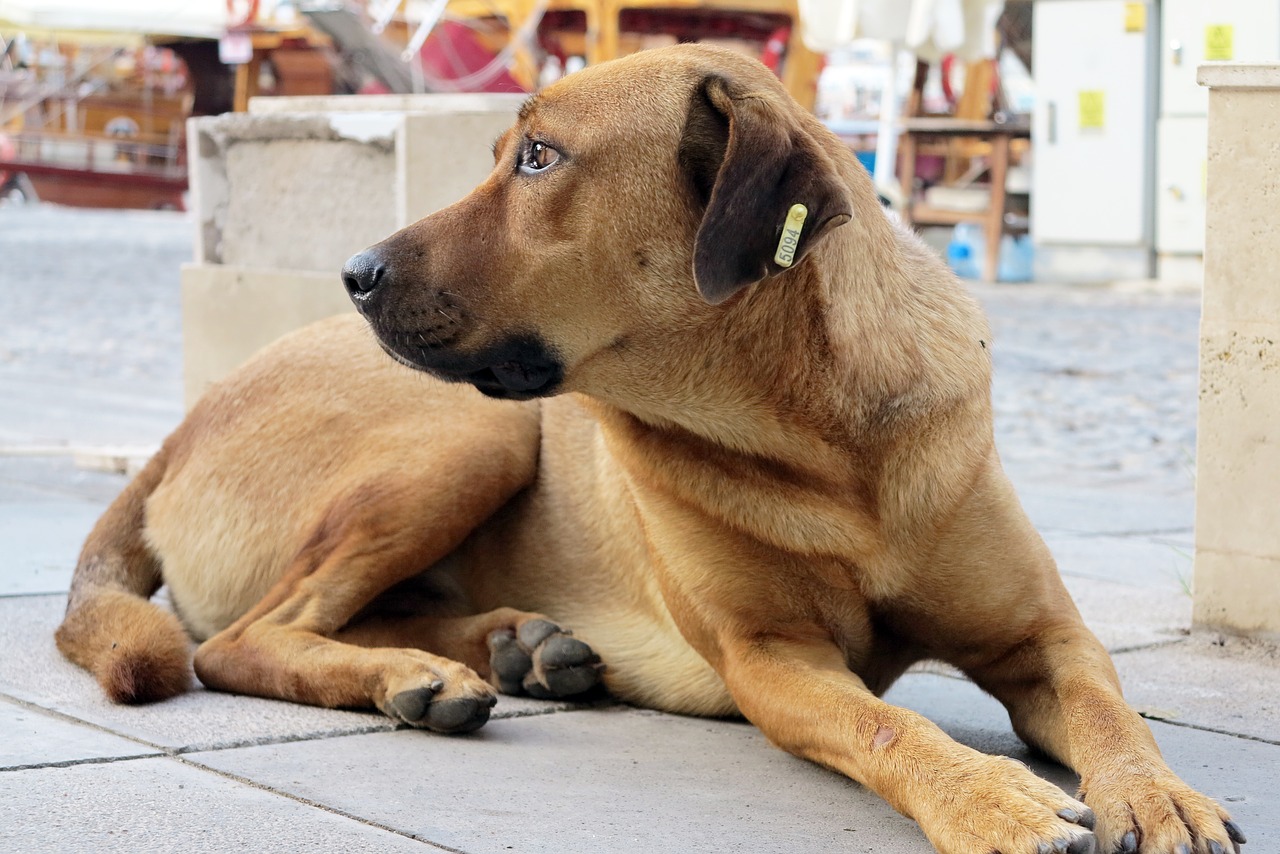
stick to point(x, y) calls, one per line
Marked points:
point(138, 651)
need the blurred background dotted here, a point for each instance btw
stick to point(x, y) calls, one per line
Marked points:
point(1061, 139)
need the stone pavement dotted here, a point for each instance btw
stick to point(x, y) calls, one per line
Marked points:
point(1095, 394)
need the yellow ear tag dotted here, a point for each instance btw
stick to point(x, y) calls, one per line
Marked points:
point(790, 239)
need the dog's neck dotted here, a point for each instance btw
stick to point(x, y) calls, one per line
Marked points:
point(855, 344)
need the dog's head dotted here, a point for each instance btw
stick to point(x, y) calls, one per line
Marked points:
point(629, 204)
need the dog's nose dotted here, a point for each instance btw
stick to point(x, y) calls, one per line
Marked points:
point(363, 273)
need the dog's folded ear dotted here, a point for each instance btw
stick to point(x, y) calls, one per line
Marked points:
point(752, 164)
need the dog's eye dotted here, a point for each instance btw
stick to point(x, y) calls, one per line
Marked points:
point(538, 156)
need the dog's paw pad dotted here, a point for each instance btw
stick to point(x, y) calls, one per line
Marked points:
point(412, 705)
point(533, 632)
point(419, 707)
point(510, 661)
point(543, 661)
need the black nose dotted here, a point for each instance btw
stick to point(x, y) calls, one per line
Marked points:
point(363, 273)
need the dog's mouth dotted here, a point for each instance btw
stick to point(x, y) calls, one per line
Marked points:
point(515, 380)
point(521, 367)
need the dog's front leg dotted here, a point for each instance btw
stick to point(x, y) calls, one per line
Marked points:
point(799, 692)
point(1064, 697)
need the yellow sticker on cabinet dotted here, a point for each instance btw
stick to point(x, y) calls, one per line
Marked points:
point(1219, 43)
point(1093, 111)
point(1135, 17)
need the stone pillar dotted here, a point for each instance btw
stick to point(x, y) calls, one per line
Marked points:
point(284, 194)
point(1237, 565)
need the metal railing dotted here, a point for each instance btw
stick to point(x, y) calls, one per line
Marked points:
point(97, 154)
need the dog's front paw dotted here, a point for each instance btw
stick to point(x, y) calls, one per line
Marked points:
point(448, 698)
point(992, 803)
point(1154, 812)
point(542, 660)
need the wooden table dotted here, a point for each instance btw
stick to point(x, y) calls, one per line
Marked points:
point(1000, 135)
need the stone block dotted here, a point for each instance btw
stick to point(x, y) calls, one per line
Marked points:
point(1237, 592)
point(435, 104)
point(303, 183)
point(229, 313)
point(439, 162)
point(1241, 252)
point(285, 194)
point(292, 191)
point(1238, 450)
point(1237, 576)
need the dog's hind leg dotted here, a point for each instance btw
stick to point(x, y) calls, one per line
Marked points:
point(138, 651)
point(375, 534)
point(517, 651)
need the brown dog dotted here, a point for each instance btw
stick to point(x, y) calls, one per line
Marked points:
point(774, 489)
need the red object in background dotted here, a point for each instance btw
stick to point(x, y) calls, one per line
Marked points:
point(775, 48)
point(948, 63)
point(8, 151)
point(454, 51)
point(241, 14)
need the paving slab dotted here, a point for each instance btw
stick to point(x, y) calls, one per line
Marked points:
point(50, 409)
point(163, 805)
point(1238, 772)
point(1212, 681)
point(25, 478)
point(1124, 617)
point(47, 508)
point(633, 781)
point(33, 671)
point(1077, 509)
point(1162, 564)
point(616, 780)
point(34, 737)
point(39, 543)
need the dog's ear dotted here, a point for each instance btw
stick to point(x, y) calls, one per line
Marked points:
point(769, 190)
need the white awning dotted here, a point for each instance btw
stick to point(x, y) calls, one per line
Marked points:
point(94, 19)
point(928, 28)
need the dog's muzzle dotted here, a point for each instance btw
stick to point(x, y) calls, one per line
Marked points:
point(520, 366)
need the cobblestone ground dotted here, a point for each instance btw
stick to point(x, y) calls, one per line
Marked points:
point(1092, 386)
point(92, 296)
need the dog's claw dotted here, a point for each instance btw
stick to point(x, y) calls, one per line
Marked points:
point(1128, 843)
point(1234, 831)
point(1215, 847)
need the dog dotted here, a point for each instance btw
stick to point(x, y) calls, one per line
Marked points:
point(678, 384)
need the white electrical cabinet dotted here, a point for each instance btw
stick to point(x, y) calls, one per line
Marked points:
point(1197, 31)
point(1194, 32)
point(1091, 129)
point(1180, 184)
